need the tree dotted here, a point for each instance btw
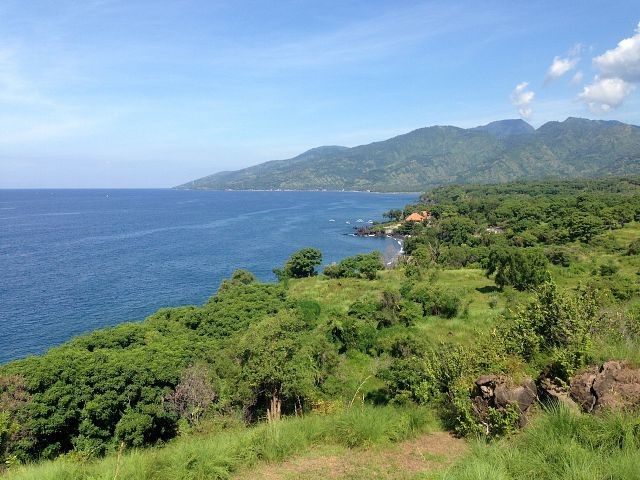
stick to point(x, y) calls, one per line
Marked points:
point(361, 265)
point(303, 263)
point(457, 230)
point(282, 363)
point(238, 277)
point(193, 394)
point(519, 267)
point(584, 226)
point(393, 214)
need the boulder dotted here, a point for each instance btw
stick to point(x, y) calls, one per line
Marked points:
point(499, 391)
point(548, 390)
point(522, 395)
point(614, 386)
point(581, 391)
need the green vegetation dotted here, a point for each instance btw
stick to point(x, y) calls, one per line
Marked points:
point(364, 265)
point(302, 264)
point(499, 152)
point(525, 280)
point(558, 445)
point(222, 453)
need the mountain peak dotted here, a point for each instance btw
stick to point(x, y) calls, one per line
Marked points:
point(506, 128)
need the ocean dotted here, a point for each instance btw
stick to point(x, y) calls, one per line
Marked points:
point(72, 261)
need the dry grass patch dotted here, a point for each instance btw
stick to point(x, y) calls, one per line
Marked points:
point(402, 461)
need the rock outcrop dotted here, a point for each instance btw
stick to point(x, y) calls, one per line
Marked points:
point(499, 392)
point(613, 386)
point(550, 391)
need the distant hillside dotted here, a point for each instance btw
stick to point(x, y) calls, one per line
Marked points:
point(500, 151)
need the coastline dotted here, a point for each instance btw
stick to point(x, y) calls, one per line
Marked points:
point(377, 192)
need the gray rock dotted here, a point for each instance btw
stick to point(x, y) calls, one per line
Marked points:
point(550, 391)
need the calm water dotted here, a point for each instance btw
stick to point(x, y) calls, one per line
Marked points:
point(72, 261)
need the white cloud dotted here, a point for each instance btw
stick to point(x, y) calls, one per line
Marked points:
point(560, 66)
point(623, 61)
point(522, 98)
point(605, 94)
point(619, 71)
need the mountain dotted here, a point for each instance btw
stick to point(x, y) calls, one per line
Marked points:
point(500, 151)
point(506, 128)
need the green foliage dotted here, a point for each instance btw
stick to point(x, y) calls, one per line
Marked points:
point(232, 309)
point(282, 363)
point(303, 263)
point(429, 375)
point(558, 256)
point(239, 277)
point(457, 230)
point(554, 322)
point(436, 301)
point(352, 332)
point(584, 226)
point(458, 412)
point(458, 256)
point(503, 422)
point(634, 247)
point(8, 428)
point(394, 214)
point(559, 444)
point(363, 265)
point(134, 428)
point(608, 269)
point(521, 268)
point(400, 343)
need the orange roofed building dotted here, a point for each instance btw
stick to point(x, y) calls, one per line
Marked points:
point(418, 217)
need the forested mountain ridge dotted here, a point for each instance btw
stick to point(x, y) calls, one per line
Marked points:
point(500, 151)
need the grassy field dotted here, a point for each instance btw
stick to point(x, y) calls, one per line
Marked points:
point(558, 445)
point(222, 454)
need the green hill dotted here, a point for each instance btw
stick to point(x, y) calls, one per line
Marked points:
point(498, 152)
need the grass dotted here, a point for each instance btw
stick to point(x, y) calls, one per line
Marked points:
point(559, 444)
point(220, 455)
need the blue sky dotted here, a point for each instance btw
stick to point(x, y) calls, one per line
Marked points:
point(102, 93)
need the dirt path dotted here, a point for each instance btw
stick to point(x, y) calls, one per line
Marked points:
point(400, 461)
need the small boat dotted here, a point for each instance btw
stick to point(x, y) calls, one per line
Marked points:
point(359, 220)
point(331, 220)
point(370, 222)
point(348, 222)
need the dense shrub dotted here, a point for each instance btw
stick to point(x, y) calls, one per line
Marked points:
point(521, 268)
point(554, 322)
point(363, 265)
point(558, 256)
point(608, 268)
point(429, 375)
point(300, 264)
point(436, 301)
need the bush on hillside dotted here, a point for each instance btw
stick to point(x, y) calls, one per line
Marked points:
point(520, 268)
point(436, 301)
point(363, 265)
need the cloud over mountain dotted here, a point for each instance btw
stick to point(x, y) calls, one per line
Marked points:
point(522, 98)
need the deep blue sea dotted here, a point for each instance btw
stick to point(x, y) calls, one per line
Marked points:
point(72, 261)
